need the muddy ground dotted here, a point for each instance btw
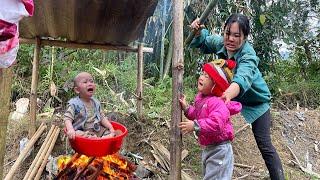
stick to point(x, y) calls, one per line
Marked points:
point(298, 130)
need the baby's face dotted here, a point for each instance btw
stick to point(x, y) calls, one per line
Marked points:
point(85, 85)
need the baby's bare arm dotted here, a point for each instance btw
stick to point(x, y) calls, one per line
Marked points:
point(106, 123)
point(70, 130)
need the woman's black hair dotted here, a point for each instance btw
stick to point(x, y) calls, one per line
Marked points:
point(243, 22)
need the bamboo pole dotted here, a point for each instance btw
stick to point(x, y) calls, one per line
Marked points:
point(46, 42)
point(41, 150)
point(34, 86)
point(24, 152)
point(177, 85)
point(44, 161)
point(140, 80)
point(5, 93)
point(202, 18)
point(43, 154)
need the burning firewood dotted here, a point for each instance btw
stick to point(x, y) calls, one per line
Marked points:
point(90, 168)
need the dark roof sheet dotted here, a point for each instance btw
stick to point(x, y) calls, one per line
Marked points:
point(114, 22)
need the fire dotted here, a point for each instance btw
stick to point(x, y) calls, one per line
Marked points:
point(106, 167)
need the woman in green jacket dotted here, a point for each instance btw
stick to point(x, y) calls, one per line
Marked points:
point(248, 85)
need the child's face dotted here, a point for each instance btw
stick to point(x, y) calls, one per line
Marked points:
point(85, 85)
point(205, 84)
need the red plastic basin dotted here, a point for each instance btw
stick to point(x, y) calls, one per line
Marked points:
point(99, 146)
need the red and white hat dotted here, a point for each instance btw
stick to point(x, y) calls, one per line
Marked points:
point(220, 72)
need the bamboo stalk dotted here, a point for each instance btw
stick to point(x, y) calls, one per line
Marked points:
point(44, 161)
point(25, 151)
point(43, 153)
point(202, 18)
point(36, 159)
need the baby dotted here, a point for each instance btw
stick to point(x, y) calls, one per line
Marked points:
point(84, 116)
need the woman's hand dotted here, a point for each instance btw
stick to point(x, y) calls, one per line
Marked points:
point(186, 126)
point(183, 102)
point(195, 25)
point(230, 93)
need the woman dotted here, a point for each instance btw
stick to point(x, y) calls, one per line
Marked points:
point(248, 86)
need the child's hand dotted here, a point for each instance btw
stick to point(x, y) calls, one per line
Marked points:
point(183, 102)
point(71, 133)
point(111, 134)
point(186, 126)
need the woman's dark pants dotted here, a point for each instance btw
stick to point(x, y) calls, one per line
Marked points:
point(261, 131)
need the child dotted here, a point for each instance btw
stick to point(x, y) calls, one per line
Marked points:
point(211, 120)
point(84, 115)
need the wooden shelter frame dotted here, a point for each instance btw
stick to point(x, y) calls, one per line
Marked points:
point(177, 79)
point(6, 81)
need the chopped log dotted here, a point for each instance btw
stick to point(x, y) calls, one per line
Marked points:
point(44, 160)
point(67, 168)
point(78, 175)
point(25, 151)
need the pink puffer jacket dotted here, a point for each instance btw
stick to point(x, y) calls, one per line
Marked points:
point(213, 117)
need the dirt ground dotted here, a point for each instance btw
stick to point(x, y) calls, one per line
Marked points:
point(298, 130)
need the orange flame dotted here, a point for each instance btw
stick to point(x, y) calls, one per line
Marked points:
point(113, 165)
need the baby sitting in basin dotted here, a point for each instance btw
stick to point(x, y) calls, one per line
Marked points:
point(84, 116)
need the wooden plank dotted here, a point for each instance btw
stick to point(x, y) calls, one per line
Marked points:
point(177, 84)
point(58, 43)
point(5, 94)
point(34, 87)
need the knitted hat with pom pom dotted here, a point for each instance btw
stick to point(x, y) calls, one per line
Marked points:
point(220, 71)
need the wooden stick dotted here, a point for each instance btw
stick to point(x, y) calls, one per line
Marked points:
point(34, 86)
point(139, 81)
point(46, 42)
point(24, 152)
point(241, 129)
point(242, 177)
point(42, 154)
point(242, 165)
point(301, 167)
point(44, 160)
point(38, 154)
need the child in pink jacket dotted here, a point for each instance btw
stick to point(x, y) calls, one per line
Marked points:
point(209, 117)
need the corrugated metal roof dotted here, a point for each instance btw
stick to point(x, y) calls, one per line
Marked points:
point(115, 22)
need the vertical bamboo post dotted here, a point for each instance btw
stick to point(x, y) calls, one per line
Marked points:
point(5, 94)
point(34, 86)
point(140, 80)
point(177, 84)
